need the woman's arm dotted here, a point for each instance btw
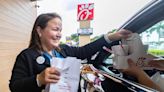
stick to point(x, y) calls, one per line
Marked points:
point(21, 80)
point(90, 49)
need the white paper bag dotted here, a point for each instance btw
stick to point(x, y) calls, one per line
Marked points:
point(120, 62)
point(70, 75)
point(137, 52)
point(136, 46)
point(120, 50)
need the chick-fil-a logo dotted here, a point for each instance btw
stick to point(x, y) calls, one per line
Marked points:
point(85, 11)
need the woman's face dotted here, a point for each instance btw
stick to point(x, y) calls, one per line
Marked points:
point(50, 36)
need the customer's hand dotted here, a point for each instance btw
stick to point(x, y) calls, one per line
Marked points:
point(121, 34)
point(157, 64)
point(49, 75)
point(133, 70)
point(141, 76)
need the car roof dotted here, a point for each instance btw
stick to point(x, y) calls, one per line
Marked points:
point(152, 13)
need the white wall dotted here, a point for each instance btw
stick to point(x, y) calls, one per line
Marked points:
point(16, 20)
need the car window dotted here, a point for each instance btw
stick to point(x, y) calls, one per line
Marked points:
point(154, 37)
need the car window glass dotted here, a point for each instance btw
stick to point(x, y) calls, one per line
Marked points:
point(154, 37)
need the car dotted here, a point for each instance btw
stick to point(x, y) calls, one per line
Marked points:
point(150, 20)
point(146, 17)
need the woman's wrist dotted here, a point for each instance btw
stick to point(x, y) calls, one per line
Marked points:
point(107, 39)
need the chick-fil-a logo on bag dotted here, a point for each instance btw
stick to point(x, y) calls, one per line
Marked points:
point(85, 11)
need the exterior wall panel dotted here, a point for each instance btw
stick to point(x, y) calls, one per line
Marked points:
point(16, 21)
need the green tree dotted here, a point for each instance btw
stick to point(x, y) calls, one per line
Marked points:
point(157, 27)
point(95, 38)
point(75, 37)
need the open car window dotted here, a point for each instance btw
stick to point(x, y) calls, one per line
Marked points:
point(154, 37)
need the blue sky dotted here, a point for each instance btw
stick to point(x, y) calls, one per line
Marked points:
point(108, 14)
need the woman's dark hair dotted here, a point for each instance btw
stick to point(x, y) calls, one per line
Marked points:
point(41, 22)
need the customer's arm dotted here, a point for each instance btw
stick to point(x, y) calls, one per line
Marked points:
point(157, 64)
point(141, 76)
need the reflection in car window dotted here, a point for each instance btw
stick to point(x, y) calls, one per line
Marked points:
point(154, 37)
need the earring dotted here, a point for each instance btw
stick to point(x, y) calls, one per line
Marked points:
point(40, 35)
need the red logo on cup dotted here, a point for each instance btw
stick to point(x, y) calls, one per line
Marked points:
point(85, 11)
point(141, 62)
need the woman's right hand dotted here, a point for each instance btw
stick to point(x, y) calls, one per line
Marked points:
point(49, 75)
point(121, 34)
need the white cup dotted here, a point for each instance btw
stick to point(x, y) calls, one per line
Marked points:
point(159, 80)
point(120, 50)
point(120, 62)
point(161, 83)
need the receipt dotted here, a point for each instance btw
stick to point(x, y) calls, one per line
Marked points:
point(70, 75)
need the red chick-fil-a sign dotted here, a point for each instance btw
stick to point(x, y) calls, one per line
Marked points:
point(85, 11)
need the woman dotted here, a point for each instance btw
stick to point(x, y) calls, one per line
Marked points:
point(31, 74)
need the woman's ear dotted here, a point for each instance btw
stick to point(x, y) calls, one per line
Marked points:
point(38, 29)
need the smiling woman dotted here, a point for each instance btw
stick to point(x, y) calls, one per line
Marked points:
point(32, 71)
point(51, 35)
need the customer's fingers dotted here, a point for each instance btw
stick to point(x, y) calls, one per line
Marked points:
point(131, 63)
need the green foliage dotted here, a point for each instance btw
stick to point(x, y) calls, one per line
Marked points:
point(75, 37)
point(62, 42)
point(95, 38)
point(157, 27)
point(156, 52)
point(114, 30)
